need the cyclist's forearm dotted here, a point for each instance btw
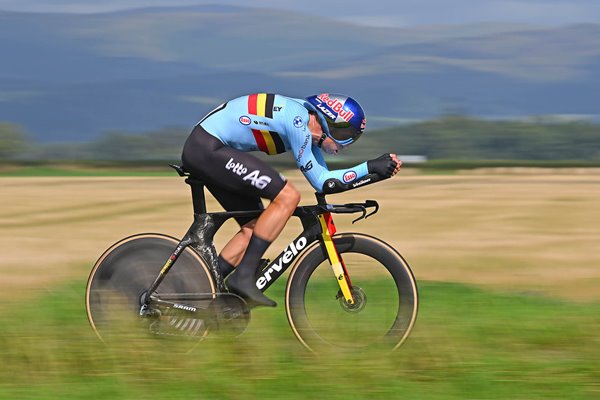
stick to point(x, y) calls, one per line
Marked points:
point(344, 176)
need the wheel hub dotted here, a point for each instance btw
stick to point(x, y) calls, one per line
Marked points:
point(360, 300)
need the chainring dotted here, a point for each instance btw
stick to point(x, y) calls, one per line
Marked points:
point(227, 314)
point(231, 314)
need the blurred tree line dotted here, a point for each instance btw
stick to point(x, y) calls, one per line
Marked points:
point(445, 138)
point(13, 142)
point(161, 145)
point(463, 138)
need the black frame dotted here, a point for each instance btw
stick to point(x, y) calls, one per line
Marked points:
point(201, 233)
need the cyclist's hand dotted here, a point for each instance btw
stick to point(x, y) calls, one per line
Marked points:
point(398, 163)
point(385, 165)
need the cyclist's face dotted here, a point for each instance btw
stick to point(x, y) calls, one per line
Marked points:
point(330, 146)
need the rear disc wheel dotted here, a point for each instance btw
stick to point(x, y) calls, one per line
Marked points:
point(126, 270)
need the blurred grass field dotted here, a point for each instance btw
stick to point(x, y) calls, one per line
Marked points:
point(507, 265)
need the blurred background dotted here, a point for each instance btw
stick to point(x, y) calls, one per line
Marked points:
point(492, 104)
point(452, 80)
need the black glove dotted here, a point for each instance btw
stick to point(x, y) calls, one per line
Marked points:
point(382, 165)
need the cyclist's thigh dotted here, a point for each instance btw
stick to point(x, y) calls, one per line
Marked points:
point(230, 172)
point(233, 201)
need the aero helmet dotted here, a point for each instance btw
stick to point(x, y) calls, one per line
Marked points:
point(344, 117)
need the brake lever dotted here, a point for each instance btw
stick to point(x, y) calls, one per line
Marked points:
point(372, 203)
point(350, 208)
point(364, 213)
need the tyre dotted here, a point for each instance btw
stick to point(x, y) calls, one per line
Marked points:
point(383, 286)
point(126, 270)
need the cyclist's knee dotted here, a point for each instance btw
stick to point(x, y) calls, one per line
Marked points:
point(289, 197)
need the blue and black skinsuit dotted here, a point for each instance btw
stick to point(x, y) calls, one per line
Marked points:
point(218, 150)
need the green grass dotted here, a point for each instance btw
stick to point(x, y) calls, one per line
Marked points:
point(467, 344)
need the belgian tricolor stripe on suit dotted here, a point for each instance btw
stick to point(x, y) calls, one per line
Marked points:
point(261, 104)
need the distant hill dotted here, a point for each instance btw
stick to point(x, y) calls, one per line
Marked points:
point(73, 77)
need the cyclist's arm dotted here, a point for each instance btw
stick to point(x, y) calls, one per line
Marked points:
point(310, 161)
point(323, 176)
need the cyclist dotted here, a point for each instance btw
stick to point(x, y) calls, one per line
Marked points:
point(217, 151)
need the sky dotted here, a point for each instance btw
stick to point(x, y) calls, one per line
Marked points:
point(398, 13)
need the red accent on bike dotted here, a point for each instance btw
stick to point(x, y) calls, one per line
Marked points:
point(331, 228)
point(330, 224)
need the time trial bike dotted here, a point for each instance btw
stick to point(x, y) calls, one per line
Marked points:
point(344, 290)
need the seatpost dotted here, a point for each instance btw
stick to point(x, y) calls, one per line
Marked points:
point(198, 199)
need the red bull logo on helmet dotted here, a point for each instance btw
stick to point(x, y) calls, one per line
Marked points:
point(335, 108)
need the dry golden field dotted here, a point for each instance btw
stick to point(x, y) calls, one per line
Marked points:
point(523, 231)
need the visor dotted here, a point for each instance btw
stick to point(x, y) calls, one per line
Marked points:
point(344, 135)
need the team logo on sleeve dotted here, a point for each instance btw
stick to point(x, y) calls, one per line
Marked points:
point(303, 148)
point(245, 120)
point(307, 167)
point(349, 176)
point(298, 123)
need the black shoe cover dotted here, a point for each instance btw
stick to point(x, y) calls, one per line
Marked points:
point(245, 287)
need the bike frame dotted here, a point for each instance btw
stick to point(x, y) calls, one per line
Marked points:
point(317, 223)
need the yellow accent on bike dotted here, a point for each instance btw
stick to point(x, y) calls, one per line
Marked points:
point(334, 260)
point(167, 266)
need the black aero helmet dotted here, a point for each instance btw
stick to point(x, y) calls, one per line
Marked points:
point(345, 118)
